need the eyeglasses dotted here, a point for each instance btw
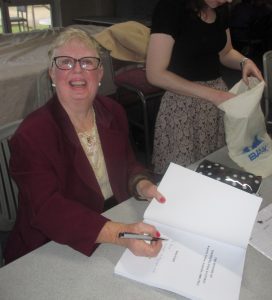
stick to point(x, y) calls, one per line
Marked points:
point(67, 63)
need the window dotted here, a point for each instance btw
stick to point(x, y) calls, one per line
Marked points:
point(1, 23)
point(19, 16)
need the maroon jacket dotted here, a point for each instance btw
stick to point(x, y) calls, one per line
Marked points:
point(59, 197)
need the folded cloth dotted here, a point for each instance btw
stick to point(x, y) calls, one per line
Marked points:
point(126, 41)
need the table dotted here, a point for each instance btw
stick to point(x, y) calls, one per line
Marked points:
point(56, 271)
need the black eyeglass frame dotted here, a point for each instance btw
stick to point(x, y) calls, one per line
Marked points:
point(79, 60)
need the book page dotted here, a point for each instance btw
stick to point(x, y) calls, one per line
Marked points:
point(261, 238)
point(195, 267)
point(204, 206)
point(208, 225)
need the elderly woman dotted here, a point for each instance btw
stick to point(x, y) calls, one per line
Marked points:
point(72, 156)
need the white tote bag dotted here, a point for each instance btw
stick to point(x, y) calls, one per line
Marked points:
point(247, 140)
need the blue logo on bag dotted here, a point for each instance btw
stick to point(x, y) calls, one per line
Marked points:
point(256, 149)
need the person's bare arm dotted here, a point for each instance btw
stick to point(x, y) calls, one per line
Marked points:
point(158, 58)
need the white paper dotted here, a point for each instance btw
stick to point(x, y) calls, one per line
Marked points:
point(198, 268)
point(261, 238)
point(208, 224)
point(199, 204)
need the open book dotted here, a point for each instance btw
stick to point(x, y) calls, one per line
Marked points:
point(208, 226)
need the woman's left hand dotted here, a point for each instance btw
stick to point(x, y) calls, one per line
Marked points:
point(250, 69)
point(149, 190)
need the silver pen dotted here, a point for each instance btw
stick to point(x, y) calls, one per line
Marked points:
point(137, 236)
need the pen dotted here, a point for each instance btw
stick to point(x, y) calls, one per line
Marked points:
point(144, 237)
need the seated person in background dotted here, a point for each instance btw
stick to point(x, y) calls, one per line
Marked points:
point(189, 40)
point(72, 156)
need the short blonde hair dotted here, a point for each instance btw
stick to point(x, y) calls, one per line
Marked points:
point(73, 34)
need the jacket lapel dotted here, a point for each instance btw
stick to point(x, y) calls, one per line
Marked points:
point(81, 162)
point(113, 147)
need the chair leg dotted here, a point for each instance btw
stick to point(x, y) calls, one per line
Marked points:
point(145, 123)
point(146, 133)
point(1, 257)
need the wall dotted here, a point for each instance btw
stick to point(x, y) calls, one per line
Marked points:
point(138, 8)
point(69, 10)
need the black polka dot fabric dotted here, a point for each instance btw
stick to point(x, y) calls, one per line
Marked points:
point(240, 179)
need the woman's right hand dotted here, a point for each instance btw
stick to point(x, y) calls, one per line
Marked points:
point(110, 231)
point(140, 247)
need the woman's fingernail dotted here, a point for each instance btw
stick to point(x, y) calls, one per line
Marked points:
point(158, 234)
point(162, 200)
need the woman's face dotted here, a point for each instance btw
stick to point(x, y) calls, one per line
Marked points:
point(216, 3)
point(77, 86)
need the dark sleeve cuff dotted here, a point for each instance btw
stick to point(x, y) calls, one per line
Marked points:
point(135, 180)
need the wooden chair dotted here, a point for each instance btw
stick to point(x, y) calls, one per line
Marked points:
point(21, 19)
point(8, 189)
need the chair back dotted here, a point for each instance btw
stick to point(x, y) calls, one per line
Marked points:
point(8, 189)
point(108, 86)
point(21, 9)
point(43, 90)
point(267, 71)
